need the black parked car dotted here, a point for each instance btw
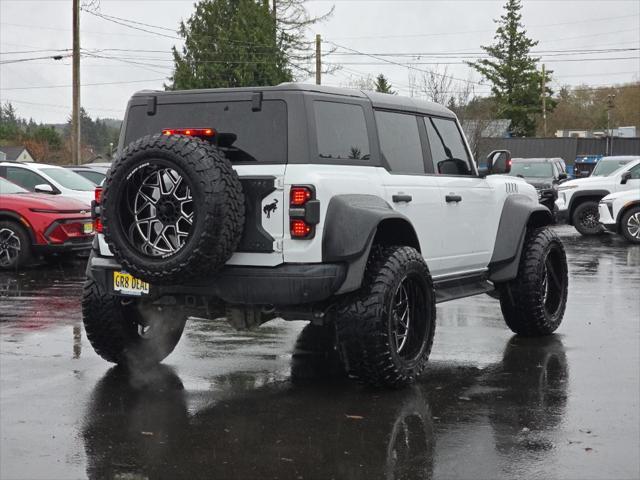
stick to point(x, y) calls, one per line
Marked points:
point(545, 174)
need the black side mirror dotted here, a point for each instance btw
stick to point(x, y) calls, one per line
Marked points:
point(499, 162)
point(626, 176)
point(562, 176)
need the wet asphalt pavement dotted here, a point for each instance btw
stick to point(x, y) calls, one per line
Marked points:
point(234, 405)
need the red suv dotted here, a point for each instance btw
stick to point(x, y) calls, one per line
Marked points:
point(34, 223)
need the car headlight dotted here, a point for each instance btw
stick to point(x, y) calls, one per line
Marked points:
point(564, 188)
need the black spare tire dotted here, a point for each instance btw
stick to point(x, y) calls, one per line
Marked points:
point(172, 208)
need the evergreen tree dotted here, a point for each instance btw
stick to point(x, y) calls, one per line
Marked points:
point(383, 85)
point(9, 123)
point(515, 81)
point(230, 43)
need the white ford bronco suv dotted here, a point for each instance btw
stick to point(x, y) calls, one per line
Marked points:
point(354, 210)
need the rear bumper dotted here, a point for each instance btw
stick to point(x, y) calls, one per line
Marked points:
point(287, 284)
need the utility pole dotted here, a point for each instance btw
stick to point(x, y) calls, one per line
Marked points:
point(544, 101)
point(75, 115)
point(318, 60)
point(610, 106)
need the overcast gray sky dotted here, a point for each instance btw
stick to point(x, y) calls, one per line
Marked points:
point(40, 88)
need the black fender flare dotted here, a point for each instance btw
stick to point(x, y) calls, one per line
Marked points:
point(21, 220)
point(581, 194)
point(352, 222)
point(518, 214)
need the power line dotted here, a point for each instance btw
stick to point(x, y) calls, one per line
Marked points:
point(61, 106)
point(108, 19)
point(36, 51)
point(105, 16)
point(49, 57)
point(38, 87)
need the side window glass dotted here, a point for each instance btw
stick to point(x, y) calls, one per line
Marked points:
point(447, 148)
point(341, 131)
point(400, 142)
point(25, 178)
point(635, 172)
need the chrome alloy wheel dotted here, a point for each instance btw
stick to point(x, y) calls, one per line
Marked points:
point(9, 247)
point(633, 225)
point(552, 284)
point(162, 210)
point(401, 316)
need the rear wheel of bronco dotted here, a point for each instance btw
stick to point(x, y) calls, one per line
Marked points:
point(385, 330)
point(630, 225)
point(128, 334)
point(172, 208)
point(533, 303)
point(586, 218)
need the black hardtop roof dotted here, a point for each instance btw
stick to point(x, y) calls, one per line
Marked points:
point(378, 100)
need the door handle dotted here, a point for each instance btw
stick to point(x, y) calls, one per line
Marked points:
point(402, 198)
point(453, 198)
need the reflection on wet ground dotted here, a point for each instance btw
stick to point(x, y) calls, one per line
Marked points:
point(237, 405)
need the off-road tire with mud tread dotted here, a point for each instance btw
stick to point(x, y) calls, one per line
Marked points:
point(363, 320)
point(522, 299)
point(112, 330)
point(217, 197)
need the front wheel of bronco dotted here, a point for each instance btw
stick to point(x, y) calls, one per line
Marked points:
point(533, 303)
point(128, 334)
point(385, 330)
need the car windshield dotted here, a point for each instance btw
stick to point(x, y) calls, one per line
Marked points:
point(7, 187)
point(619, 170)
point(607, 167)
point(536, 170)
point(69, 179)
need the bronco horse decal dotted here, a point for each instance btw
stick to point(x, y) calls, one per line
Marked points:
point(270, 207)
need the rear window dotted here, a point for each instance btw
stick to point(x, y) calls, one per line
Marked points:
point(341, 131)
point(245, 135)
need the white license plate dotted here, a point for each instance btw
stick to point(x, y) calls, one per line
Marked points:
point(129, 285)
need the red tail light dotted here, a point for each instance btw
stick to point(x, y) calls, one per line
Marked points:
point(95, 210)
point(192, 132)
point(300, 195)
point(300, 229)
